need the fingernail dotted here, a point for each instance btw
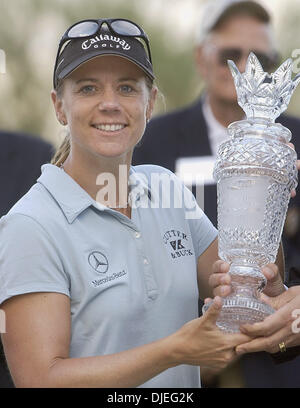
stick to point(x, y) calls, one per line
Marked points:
point(245, 327)
point(240, 351)
point(219, 301)
point(224, 267)
point(269, 272)
point(224, 290)
point(224, 280)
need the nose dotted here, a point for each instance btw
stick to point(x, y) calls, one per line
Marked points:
point(109, 101)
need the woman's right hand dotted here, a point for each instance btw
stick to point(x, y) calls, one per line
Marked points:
point(201, 342)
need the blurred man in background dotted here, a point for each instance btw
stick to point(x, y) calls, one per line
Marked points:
point(21, 157)
point(186, 141)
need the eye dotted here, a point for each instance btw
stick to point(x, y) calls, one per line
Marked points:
point(126, 89)
point(87, 89)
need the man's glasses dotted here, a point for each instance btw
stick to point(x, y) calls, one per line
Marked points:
point(87, 28)
point(268, 61)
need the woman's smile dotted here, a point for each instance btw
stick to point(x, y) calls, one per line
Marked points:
point(110, 127)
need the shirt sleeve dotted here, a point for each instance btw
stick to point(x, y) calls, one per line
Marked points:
point(202, 230)
point(29, 260)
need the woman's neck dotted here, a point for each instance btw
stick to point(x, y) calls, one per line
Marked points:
point(105, 180)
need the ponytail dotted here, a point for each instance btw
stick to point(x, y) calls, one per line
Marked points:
point(62, 152)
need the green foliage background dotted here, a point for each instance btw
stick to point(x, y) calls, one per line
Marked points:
point(30, 31)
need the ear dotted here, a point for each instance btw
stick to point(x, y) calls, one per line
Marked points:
point(201, 60)
point(58, 107)
point(151, 102)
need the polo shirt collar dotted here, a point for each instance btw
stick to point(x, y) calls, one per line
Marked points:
point(138, 186)
point(73, 199)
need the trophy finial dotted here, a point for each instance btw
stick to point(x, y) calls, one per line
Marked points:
point(260, 94)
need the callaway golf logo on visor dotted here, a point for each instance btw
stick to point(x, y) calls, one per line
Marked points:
point(79, 50)
point(115, 42)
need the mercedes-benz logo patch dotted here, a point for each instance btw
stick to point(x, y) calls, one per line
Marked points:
point(98, 261)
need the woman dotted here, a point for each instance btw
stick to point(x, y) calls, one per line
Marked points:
point(100, 289)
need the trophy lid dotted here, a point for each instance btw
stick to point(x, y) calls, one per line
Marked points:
point(260, 94)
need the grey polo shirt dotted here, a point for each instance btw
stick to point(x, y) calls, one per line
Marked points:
point(130, 281)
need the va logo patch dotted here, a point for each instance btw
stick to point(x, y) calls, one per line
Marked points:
point(176, 244)
point(178, 241)
point(98, 262)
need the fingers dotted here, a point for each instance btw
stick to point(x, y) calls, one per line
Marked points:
point(221, 284)
point(220, 267)
point(276, 328)
point(271, 301)
point(220, 280)
point(281, 300)
point(260, 329)
point(271, 272)
point(217, 279)
point(274, 285)
point(213, 311)
point(222, 291)
point(283, 318)
point(269, 344)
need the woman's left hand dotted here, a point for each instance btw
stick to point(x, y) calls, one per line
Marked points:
point(282, 327)
point(220, 280)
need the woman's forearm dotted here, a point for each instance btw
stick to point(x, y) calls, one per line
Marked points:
point(129, 368)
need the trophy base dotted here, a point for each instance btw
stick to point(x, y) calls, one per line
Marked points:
point(238, 310)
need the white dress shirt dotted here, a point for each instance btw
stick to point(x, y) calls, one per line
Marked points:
point(217, 133)
point(199, 170)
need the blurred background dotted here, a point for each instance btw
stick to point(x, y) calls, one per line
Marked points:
point(30, 31)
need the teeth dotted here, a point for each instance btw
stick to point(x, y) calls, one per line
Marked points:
point(110, 128)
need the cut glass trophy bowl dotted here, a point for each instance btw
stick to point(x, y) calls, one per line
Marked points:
point(255, 172)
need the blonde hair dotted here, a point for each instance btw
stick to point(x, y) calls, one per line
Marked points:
point(63, 151)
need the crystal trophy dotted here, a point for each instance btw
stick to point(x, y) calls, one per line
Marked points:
point(255, 171)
